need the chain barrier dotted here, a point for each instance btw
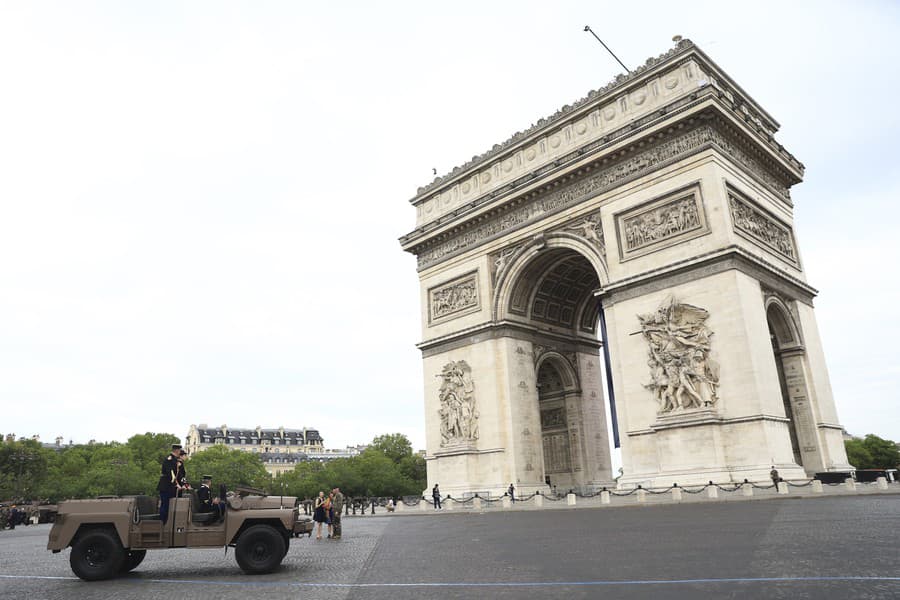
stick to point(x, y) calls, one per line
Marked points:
point(697, 491)
point(628, 493)
point(661, 491)
point(736, 487)
point(762, 487)
point(554, 498)
point(807, 484)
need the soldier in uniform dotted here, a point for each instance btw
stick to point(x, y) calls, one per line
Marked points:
point(209, 503)
point(337, 504)
point(181, 475)
point(168, 481)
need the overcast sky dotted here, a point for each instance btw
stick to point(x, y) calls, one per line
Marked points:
point(201, 200)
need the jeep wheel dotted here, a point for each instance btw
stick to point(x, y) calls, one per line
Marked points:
point(97, 555)
point(132, 559)
point(259, 549)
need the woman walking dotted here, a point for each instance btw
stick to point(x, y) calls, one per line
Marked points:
point(329, 499)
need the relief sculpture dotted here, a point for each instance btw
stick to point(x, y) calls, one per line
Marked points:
point(459, 418)
point(683, 376)
point(453, 297)
point(662, 222)
point(761, 227)
point(591, 230)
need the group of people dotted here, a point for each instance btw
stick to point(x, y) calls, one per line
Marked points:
point(10, 516)
point(328, 510)
point(173, 480)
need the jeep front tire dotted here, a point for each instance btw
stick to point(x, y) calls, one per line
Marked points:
point(259, 549)
point(96, 555)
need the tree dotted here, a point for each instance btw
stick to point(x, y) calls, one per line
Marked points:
point(231, 467)
point(872, 452)
point(23, 468)
point(395, 446)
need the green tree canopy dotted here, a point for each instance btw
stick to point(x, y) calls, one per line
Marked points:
point(231, 467)
point(872, 452)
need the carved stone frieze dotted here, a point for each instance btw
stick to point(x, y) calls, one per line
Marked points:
point(458, 415)
point(452, 299)
point(661, 222)
point(762, 228)
point(500, 260)
point(683, 376)
point(601, 180)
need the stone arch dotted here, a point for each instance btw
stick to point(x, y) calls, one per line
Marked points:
point(564, 367)
point(782, 324)
point(510, 274)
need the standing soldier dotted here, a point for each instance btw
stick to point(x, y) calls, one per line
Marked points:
point(168, 481)
point(338, 506)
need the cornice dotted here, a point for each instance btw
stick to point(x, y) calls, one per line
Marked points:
point(598, 168)
point(455, 190)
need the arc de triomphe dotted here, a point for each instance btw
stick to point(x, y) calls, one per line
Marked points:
point(630, 258)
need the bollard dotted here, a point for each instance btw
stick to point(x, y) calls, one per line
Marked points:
point(817, 487)
point(676, 494)
point(539, 500)
point(476, 503)
point(783, 487)
point(399, 506)
point(882, 483)
point(850, 484)
point(354, 508)
point(373, 506)
point(346, 508)
point(604, 497)
point(641, 494)
point(505, 503)
point(570, 499)
point(747, 488)
point(712, 491)
point(448, 503)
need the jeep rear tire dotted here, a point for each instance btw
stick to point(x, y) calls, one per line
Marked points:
point(259, 549)
point(132, 559)
point(96, 555)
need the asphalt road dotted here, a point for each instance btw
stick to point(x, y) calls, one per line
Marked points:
point(786, 548)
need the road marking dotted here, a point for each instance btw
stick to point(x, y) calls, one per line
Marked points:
point(475, 584)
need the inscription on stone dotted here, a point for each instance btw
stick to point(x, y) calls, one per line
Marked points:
point(762, 228)
point(453, 298)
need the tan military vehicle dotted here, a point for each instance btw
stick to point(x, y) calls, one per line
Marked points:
point(112, 535)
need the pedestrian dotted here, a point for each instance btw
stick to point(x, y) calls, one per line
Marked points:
point(512, 493)
point(329, 512)
point(436, 497)
point(319, 514)
point(168, 481)
point(337, 504)
point(774, 475)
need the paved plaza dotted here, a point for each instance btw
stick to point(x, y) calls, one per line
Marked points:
point(839, 547)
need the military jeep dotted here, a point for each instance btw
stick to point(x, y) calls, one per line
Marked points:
point(111, 536)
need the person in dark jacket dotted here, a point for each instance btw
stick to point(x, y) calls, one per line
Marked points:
point(168, 481)
point(436, 497)
point(208, 502)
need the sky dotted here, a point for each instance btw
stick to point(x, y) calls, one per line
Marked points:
point(200, 201)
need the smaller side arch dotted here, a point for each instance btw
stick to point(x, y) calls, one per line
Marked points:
point(562, 365)
point(782, 324)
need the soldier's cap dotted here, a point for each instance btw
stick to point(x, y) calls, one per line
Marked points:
point(176, 446)
point(184, 453)
point(206, 477)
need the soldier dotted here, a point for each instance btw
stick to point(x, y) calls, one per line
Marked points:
point(168, 481)
point(181, 475)
point(209, 503)
point(338, 507)
point(775, 477)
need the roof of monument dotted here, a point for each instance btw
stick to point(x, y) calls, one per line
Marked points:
point(682, 47)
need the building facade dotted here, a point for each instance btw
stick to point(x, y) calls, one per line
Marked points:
point(280, 449)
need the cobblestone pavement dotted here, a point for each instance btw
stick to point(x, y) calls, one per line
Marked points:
point(840, 547)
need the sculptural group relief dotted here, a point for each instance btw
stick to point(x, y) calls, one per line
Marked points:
point(453, 298)
point(683, 375)
point(761, 227)
point(457, 412)
point(651, 226)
